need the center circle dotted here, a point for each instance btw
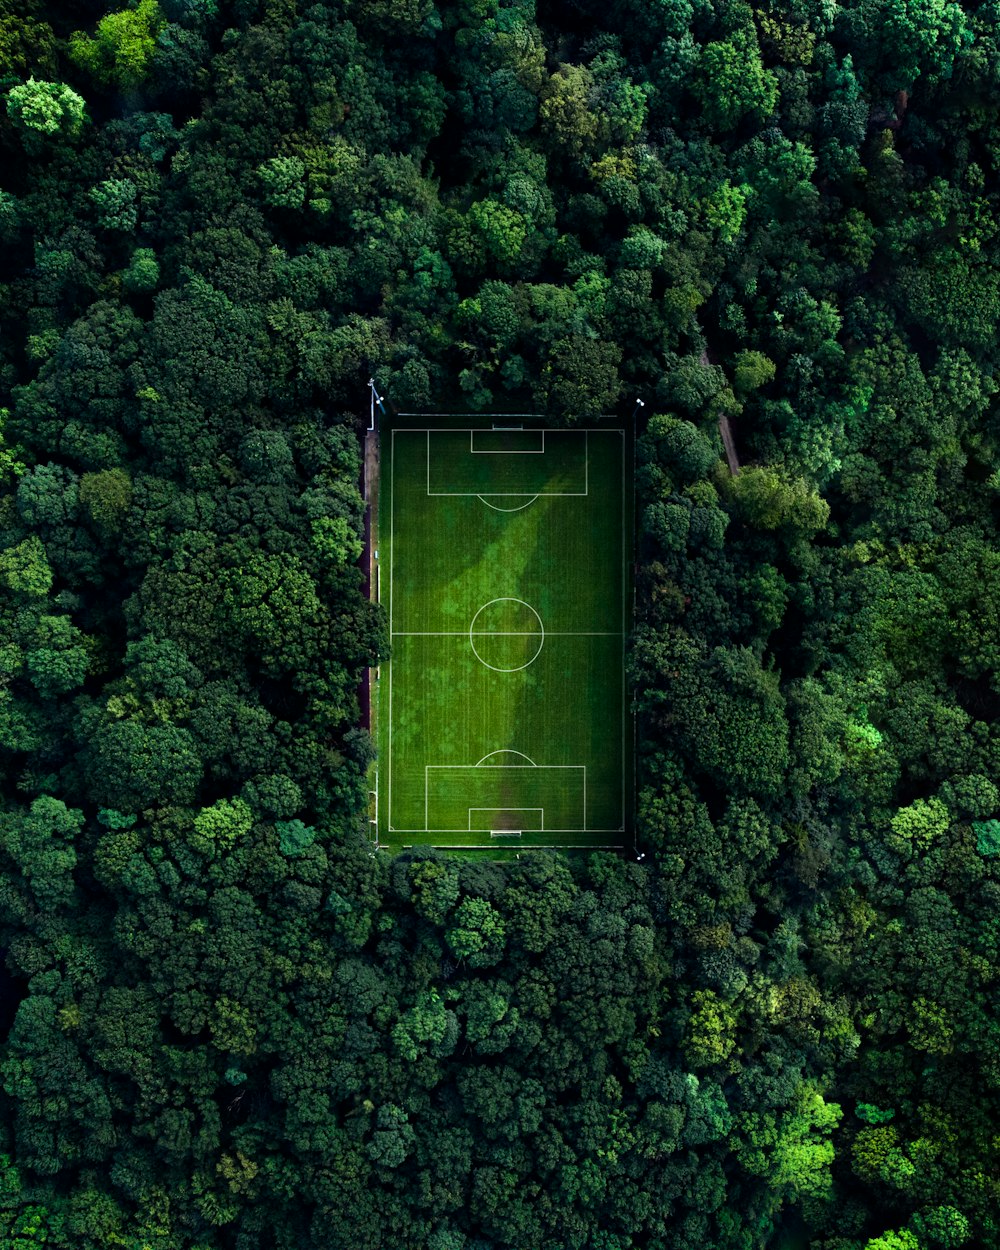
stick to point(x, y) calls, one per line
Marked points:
point(506, 635)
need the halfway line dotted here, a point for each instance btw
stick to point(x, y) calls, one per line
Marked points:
point(507, 633)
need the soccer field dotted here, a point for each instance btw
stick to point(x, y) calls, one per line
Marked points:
point(501, 711)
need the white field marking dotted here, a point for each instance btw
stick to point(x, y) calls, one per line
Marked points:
point(519, 633)
point(507, 751)
point(541, 810)
point(508, 494)
point(506, 416)
point(495, 633)
point(392, 545)
point(509, 427)
point(541, 767)
point(531, 846)
point(499, 509)
point(473, 452)
point(623, 565)
point(428, 430)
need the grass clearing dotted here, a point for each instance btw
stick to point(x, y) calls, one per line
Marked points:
point(501, 711)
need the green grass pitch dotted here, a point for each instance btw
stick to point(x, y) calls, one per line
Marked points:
point(501, 711)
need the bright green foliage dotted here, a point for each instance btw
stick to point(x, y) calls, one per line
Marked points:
point(919, 825)
point(732, 82)
point(795, 1150)
point(711, 1031)
point(770, 500)
point(725, 210)
point(120, 51)
point(943, 1226)
point(902, 1239)
point(143, 272)
point(25, 569)
point(45, 109)
point(751, 370)
point(335, 541)
point(566, 110)
point(499, 230)
point(219, 827)
point(283, 181)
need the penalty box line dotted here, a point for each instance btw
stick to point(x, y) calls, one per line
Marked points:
point(540, 810)
point(509, 494)
point(498, 767)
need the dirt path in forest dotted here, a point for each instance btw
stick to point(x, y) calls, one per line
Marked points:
point(725, 425)
point(729, 442)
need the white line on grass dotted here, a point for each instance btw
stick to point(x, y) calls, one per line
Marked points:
point(498, 509)
point(392, 545)
point(507, 494)
point(538, 767)
point(469, 633)
point(625, 580)
point(506, 751)
point(473, 632)
point(504, 452)
point(496, 633)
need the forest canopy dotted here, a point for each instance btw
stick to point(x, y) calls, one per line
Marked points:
point(226, 1021)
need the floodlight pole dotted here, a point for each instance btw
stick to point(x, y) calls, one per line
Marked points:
point(376, 399)
point(638, 404)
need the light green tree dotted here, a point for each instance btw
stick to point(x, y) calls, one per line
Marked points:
point(45, 109)
point(25, 570)
point(119, 53)
point(733, 83)
point(283, 181)
point(143, 272)
point(219, 827)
